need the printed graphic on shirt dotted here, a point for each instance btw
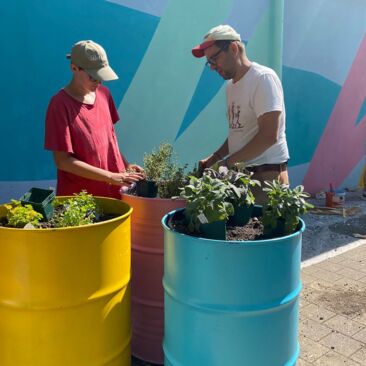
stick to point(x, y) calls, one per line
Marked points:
point(233, 116)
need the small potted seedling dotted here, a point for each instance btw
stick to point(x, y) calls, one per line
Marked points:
point(81, 209)
point(208, 206)
point(281, 214)
point(240, 193)
point(163, 176)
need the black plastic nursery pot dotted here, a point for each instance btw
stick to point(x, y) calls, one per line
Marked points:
point(146, 188)
point(278, 231)
point(214, 230)
point(241, 216)
point(41, 201)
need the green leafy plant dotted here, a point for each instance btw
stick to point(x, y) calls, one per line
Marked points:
point(19, 215)
point(239, 185)
point(207, 201)
point(82, 209)
point(284, 206)
point(161, 167)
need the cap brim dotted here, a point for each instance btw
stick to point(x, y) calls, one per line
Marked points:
point(199, 51)
point(103, 74)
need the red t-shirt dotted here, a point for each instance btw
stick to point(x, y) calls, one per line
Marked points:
point(86, 131)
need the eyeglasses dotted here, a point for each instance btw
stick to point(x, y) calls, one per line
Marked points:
point(211, 61)
point(90, 77)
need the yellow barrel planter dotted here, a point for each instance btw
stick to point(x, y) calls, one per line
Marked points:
point(64, 293)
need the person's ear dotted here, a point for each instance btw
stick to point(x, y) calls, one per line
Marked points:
point(73, 68)
point(234, 48)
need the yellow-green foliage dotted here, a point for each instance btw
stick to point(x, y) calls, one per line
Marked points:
point(19, 215)
point(82, 209)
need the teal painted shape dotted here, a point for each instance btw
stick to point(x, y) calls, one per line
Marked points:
point(206, 133)
point(207, 87)
point(362, 113)
point(159, 95)
point(37, 69)
point(310, 100)
point(267, 41)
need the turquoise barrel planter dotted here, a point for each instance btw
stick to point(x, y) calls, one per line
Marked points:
point(231, 303)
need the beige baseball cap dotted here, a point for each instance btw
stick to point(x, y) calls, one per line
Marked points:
point(92, 58)
point(219, 33)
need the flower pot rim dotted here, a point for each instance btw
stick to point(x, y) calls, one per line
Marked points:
point(81, 227)
point(236, 243)
point(152, 198)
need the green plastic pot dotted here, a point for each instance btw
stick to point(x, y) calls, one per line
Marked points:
point(41, 201)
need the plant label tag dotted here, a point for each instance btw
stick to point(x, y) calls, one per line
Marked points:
point(202, 218)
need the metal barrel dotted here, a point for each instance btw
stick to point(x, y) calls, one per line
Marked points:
point(147, 238)
point(64, 293)
point(231, 303)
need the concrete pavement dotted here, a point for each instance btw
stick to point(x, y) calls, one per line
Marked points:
point(332, 325)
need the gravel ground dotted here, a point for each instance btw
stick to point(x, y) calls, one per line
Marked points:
point(329, 232)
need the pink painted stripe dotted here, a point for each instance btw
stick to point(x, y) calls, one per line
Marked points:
point(342, 143)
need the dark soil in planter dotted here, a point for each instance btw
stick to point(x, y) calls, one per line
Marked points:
point(253, 230)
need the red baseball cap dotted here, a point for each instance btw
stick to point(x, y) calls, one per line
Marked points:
point(219, 33)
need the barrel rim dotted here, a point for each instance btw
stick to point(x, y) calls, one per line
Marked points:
point(235, 243)
point(81, 227)
point(151, 198)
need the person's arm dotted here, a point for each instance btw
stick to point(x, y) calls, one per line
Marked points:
point(218, 155)
point(129, 166)
point(267, 135)
point(66, 162)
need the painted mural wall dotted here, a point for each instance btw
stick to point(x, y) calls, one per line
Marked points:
point(164, 94)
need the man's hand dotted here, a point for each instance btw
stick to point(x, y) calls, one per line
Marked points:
point(207, 162)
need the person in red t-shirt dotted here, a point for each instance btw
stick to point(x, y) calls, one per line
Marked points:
point(80, 129)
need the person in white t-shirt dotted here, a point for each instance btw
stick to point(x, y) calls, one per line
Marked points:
point(255, 109)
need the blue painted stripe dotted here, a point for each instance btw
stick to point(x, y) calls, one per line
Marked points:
point(362, 112)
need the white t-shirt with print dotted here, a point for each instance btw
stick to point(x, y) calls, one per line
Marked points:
point(259, 91)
